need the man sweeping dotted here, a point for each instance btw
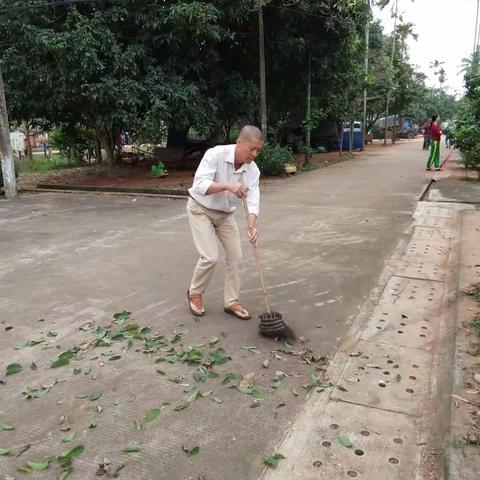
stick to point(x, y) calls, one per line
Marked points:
point(225, 174)
point(436, 135)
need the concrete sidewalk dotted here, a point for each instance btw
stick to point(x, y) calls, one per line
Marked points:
point(73, 261)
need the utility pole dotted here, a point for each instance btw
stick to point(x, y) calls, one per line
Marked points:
point(6, 154)
point(263, 87)
point(367, 41)
point(308, 141)
point(391, 68)
point(475, 41)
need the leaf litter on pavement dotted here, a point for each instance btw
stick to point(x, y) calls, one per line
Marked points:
point(203, 358)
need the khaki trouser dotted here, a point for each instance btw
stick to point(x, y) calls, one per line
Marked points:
point(207, 226)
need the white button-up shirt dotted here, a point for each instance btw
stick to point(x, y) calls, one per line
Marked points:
point(217, 165)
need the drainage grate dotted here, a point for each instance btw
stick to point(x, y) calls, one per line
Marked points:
point(386, 376)
point(433, 234)
point(428, 249)
point(401, 326)
point(383, 445)
point(421, 268)
point(434, 222)
point(413, 292)
point(429, 211)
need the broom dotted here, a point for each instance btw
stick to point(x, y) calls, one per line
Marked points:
point(271, 323)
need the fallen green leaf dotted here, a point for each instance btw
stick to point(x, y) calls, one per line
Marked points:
point(59, 402)
point(63, 359)
point(214, 340)
point(217, 400)
point(121, 317)
point(272, 461)
point(160, 371)
point(39, 466)
point(71, 454)
point(118, 401)
point(398, 378)
point(6, 426)
point(200, 375)
point(95, 395)
point(138, 424)
point(92, 424)
point(131, 448)
point(218, 357)
point(65, 473)
point(277, 382)
point(4, 451)
point(115, 357)
point(33, 366)
point(69, 437)
point(346, 442)
point(294, 392)
point(13, 368)
point(152, 414)
point(191, 451)
point(52, 334)
point(193, 396)
point(207, 393)
point(228, 378)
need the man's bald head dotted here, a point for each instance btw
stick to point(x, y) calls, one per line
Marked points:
point(250, 132)
point(249, 143)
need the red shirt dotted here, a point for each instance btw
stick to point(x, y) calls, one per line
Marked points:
point(435, 132)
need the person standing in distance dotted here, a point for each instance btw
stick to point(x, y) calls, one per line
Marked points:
point(436, 135)
point(226, 174)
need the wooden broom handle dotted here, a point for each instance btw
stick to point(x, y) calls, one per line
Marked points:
point(257, 259)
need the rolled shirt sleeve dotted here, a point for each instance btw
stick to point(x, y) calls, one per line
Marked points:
point(205, 174)
point(253, 191)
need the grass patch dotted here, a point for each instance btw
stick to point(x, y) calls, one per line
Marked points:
point(476, 324)
point(473, 291)
point(42, 164)
point(308, 168)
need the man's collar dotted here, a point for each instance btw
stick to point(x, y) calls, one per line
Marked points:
point(230, 158)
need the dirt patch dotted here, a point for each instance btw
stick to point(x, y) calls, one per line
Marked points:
point(140, 176)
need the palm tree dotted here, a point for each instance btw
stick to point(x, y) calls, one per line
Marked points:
point(439, 71)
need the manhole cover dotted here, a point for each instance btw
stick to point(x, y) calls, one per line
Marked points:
point(386, 376)
point(413, 292)
point(429, 249)
point(421, 268)
point(403, 327)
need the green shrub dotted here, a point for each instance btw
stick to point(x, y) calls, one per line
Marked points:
point(74, 141)
point(273, 158)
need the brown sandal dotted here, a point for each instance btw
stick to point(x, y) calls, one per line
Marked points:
point(237, 311)
point(195, 302)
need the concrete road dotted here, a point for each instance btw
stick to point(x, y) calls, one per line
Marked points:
point(74, 260)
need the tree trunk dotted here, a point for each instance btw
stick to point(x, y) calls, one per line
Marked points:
point(177, 138)
point(394, 124)
point(367, 41)
point(350, 139)
point(109, 147)
point(308, 139)
point(263, 87)
point(342, 129)
point(391, 68)
point(28, 145)
point(98, 150)
point(6, 154)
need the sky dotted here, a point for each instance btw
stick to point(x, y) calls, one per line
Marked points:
point(445, 31)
